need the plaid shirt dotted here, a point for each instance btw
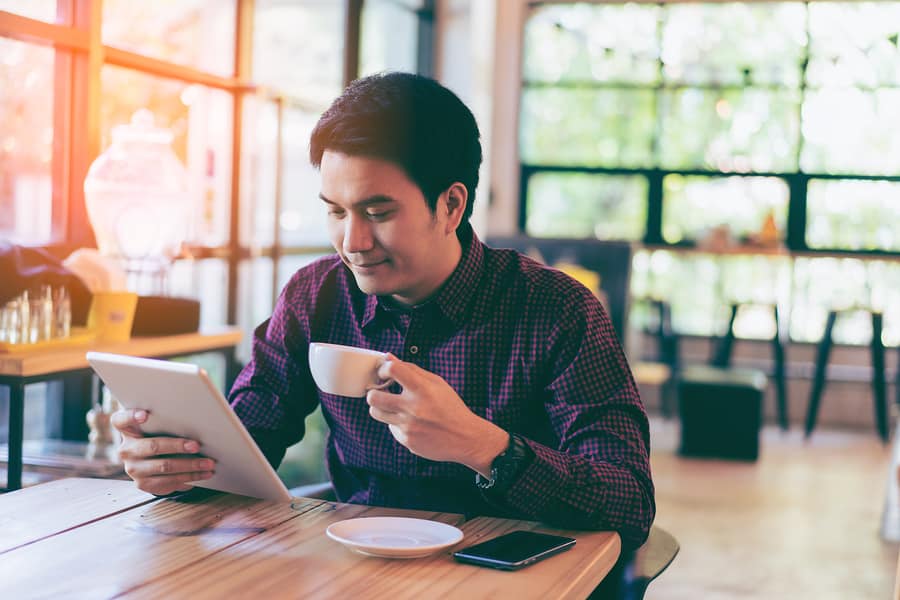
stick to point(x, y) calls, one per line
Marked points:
point(524, 346)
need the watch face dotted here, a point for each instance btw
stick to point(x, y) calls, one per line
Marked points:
point(486, 483)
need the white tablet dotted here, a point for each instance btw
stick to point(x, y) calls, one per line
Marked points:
point(183, 402)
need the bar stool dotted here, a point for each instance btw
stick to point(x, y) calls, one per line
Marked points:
point(876, 348)
point(667, 342)
point(722, 351)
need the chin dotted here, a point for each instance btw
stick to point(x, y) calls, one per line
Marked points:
point(368, 285)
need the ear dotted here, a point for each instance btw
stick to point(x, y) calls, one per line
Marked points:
point(457, 198)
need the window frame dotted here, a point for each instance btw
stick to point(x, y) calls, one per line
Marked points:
point(80, 56)
point(797, 181)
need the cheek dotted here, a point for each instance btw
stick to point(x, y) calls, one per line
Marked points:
point(335, 234)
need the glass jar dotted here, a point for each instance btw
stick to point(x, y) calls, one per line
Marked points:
point(137, 200)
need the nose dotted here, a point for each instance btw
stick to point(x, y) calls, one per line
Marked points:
point(357, 235)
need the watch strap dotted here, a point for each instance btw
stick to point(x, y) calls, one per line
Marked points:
point(508, 465)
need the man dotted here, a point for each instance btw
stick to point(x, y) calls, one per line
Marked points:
point(512, 396)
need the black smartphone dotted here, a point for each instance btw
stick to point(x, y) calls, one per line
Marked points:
point(514, 550)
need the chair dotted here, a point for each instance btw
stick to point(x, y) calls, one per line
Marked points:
point(629, 578)
point(722, 358)
point(876, 349)
point(667, 342)
point(611, 260)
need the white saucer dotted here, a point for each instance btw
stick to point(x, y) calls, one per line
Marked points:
point(394, 537)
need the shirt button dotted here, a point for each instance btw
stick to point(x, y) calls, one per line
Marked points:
point(413, 349)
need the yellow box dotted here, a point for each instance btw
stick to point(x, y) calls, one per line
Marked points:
point(111, 315)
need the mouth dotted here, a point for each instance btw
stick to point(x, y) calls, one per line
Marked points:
point(367, 267)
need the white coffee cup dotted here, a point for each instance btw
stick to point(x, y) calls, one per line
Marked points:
point(345, 370)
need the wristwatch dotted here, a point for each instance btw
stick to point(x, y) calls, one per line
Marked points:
point(507, 466)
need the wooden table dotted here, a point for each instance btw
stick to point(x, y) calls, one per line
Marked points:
point(18, 369)
point(93, 538)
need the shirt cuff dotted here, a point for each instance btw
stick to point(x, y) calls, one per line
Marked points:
point(540, 489)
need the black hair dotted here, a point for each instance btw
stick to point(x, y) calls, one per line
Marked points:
point(411, 121)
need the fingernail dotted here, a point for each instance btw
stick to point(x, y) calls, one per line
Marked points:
point(191, 446)
point(140, 416)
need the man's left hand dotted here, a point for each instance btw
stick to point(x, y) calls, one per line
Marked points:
point(430, 418)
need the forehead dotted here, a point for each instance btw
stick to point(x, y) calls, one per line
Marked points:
point(347, 179)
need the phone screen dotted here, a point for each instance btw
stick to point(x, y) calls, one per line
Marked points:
point(514, 550)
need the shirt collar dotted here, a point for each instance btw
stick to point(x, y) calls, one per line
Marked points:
point(455, 296)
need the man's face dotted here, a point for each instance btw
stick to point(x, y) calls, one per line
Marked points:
point(383, 230)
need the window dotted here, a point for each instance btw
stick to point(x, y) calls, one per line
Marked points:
point(694, 204)
point(659, 123)
point(43, 10)
point(200, 119)
point(26, 142)
point(240, 102)
point(397, 52)
point(298, 48)
point(195, 33)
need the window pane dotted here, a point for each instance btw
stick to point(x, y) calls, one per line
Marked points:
point(734, 43)
point(823, 284)
point(757, 284)
point(732, 130)
point(884, 281)
point(255, 300)
point(196, 33)
point(288, 265)
point(298, 48)
point(43, 10)
point(200, 119)
point(408, 4)
point(690, 283)
point(204, 280)
point(854, 43)
point(581, 127)
point(258, 177)
point(852, 131)
point(592, 43)
point(853, 215)
point(26, 142)
point(303, 216)
point(304, 463)
point(584, 205)
point(394, 52)
point(700, 288)
point(694, 205)
point(755, 280)
point(755, 322)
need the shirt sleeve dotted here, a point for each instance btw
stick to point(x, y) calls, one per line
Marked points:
point(598, 475)
point(274, 394)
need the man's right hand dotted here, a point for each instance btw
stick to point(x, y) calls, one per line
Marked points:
point(159, 465)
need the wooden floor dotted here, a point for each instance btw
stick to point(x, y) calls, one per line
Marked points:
point(802, 522)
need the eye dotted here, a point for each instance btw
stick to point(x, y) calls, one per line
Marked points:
point(336, 213)
point(378, 215)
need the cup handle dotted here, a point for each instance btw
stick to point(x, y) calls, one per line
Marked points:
point(384, 384)
point(380, 386)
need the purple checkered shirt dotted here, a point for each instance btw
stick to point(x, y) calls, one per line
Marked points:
point(524, 346)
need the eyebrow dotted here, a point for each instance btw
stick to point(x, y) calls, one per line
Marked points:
point(364, 203)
